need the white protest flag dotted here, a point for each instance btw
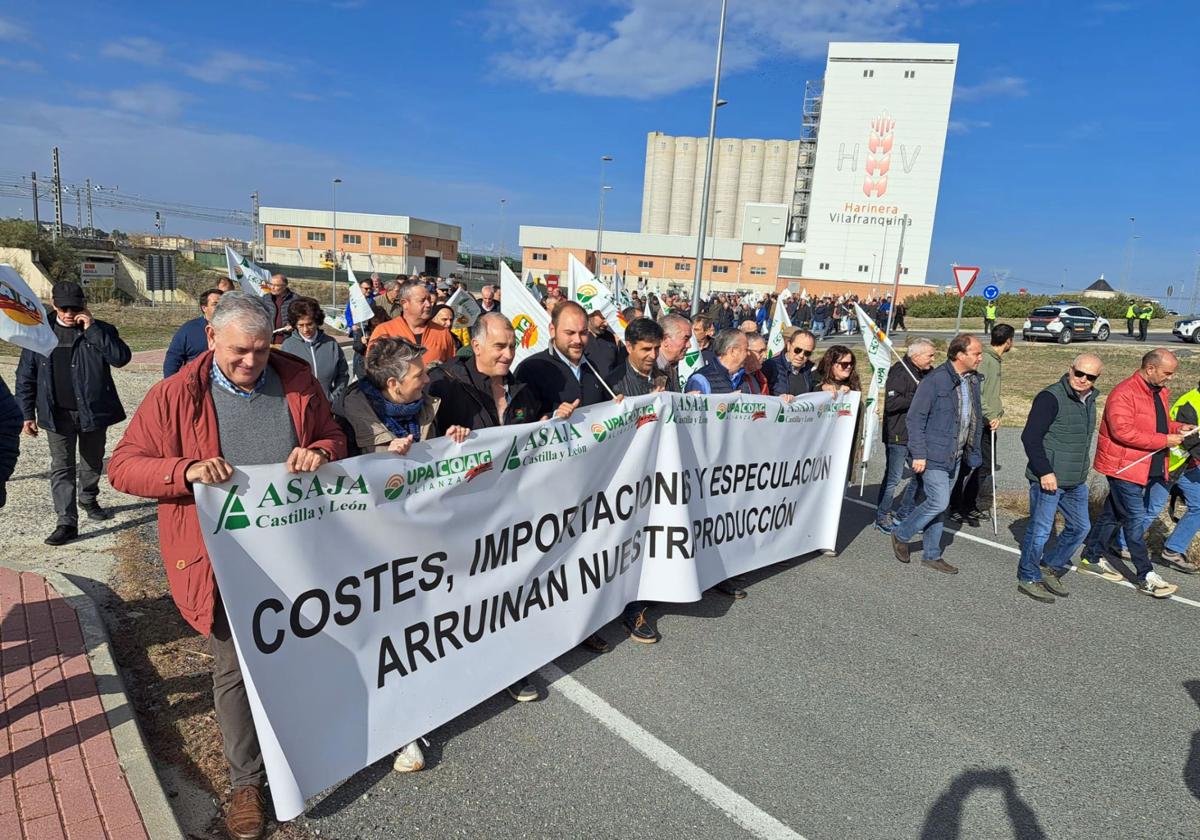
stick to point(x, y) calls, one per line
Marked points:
point(594, 296)
point(692, 361)
point(252, 277)
point(466, 309)
point(781, 320)
point(529, 318)
point(23, 319)
point(663, 309)
point(360, 307)
point(879, 352)
point(344, 665)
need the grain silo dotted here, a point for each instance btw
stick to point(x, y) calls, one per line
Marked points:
point(725, 183)
point(774, 173)
point(750, 175)
point(683, 185)
point(660, 183)
point(698, 187)
point(648, 179)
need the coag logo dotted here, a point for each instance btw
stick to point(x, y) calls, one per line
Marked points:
point(394, 487)
point(722, 411)
point(21, 309)
point(526, 330)
point(599, 432)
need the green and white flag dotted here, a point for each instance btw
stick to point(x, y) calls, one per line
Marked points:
point(252, 277)
point(781, 320)
point(691, 362)
point(360, 308)
point(593, 295)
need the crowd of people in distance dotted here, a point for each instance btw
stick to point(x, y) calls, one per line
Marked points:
point(255, 380)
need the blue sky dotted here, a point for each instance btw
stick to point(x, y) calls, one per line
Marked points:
point(1069, 117)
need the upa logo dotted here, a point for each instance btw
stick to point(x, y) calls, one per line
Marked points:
point(394, 487)
point(599, 432)
point(722, 411)
point(526, 330)
point(21, 309)
point(585, 293)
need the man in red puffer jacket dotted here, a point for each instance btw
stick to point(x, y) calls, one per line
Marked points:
point(1132, 450)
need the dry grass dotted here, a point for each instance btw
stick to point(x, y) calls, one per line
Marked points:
point(141, 327)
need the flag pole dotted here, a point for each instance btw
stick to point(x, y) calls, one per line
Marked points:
point(588, 362)
point(995, 527)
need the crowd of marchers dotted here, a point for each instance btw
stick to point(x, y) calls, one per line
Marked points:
point(255, 380)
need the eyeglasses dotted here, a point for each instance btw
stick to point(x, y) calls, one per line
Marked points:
point(844, 364)
point(71, 310)
point(1090, 377)
point(800, 351)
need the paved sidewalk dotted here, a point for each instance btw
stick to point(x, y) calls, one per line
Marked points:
point(59, 772)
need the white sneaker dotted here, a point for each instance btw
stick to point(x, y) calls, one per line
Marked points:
point(1156, 587)
point(409, 759)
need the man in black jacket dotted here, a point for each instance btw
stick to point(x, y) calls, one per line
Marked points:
point(561, 376)
point(480, 392)
point(792, 371)
point(10, 437)
point(677, 333)
point(901, 386)
point(603, 350)
point(277, 303)
point(71, 395)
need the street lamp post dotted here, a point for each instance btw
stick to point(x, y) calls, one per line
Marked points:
point(600, 224)
point(503, 201)
point(333, 271)
point(1125, 281)
point(712, 130)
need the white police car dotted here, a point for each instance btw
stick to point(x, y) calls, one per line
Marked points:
point(1187, 329)
point(1064, 323)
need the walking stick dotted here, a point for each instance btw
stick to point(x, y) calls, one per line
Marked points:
point(995, 527)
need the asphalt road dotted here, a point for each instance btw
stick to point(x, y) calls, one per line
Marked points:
point(1154, 338)
point(847, 697)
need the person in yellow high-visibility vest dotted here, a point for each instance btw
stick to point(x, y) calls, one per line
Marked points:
point(1145, 313)
point(1184, 463)
point(1130, 318)
point(989, 316)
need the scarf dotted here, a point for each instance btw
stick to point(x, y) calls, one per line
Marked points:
point(400, 418)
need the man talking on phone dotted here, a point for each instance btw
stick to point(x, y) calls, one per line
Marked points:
point(71, 395)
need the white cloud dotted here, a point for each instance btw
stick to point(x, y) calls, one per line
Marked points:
point(150, 100)
point(963, 126)
point(10, 31)
point(21, 65)
point(651, 48)
point(228, 67)
point(1013, 86)
point(138, 50)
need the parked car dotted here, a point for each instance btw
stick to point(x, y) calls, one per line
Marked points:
point(1065, 323)
point(1187, 328)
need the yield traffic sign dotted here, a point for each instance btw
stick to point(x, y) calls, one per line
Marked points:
point(964, 276)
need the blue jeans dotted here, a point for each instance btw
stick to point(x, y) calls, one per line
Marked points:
point(935, 484)
point(897, 454)
point(1125, 508)
point(1186, 528)
point(1073, 502)
point(1154, 499)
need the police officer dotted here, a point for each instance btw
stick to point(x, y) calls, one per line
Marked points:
point(989, 316)
point(1130, 317)
point(1144, 316)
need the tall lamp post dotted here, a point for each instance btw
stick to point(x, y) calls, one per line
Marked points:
point(333, 271)
point(600, 224)
point(712, 130)
point(503, 201)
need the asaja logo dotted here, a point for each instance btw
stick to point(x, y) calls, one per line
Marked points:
point(21, 309)
point(298, 500)
point(233, 514)
point(599, 432)
point(394, 487)
point(526, 330)
point(722, 411)
point(552, 442)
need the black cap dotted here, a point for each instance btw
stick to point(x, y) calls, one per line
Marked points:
point(68, 293)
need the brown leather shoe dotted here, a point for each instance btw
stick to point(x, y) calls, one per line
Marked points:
point(596, 643)
point(940, 565)
point(900, 549)
point(245, 819)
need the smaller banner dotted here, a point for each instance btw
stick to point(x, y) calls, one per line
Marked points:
point(253, 278)
point(594, 296)
point(528, 317)
point(466, 309)
point(23, 319)
point(781, 320)
point(879, 351)
point(358, 310)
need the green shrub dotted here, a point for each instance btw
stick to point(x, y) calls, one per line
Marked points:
point(60, 260)
point(938, 305)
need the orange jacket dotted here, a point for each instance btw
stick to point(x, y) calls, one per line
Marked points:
point(437, 341)
point(175, 426)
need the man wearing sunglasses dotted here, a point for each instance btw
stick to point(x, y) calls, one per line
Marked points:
point(1058, 441)
point(792, 372)
point(71, 395)
point(1136, 435)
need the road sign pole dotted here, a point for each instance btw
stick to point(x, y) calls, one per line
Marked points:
point(958, 320)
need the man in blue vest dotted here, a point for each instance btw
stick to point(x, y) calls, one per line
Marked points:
point(1058, 443)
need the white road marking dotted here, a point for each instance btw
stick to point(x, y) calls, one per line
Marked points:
point(735, 806)
point(1017, 552)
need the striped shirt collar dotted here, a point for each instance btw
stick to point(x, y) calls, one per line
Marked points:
point(222, 380)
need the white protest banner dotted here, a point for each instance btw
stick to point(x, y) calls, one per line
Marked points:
point(529, 318)
point(252, 278)
point(466, 309)
point(365, 614)
point(23, 319)
point(358, 307)
point(593, 295)
point(781, 320)
point(879, 352)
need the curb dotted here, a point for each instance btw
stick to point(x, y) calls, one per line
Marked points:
point(157, 814)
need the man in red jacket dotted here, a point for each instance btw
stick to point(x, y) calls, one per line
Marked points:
point(237, 404)
point(1136, 434)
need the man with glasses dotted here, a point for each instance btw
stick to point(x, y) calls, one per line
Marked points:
point(756, 357)
point(277, 303)
point(1136, 435)
point(791, 372)
point(1058, 441)
point(900, 388)
point(71, 395)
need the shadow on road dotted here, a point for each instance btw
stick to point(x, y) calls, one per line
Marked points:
point(1191, 770)
point(944, 820)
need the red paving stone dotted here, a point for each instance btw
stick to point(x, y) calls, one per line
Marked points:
point(59, 773)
